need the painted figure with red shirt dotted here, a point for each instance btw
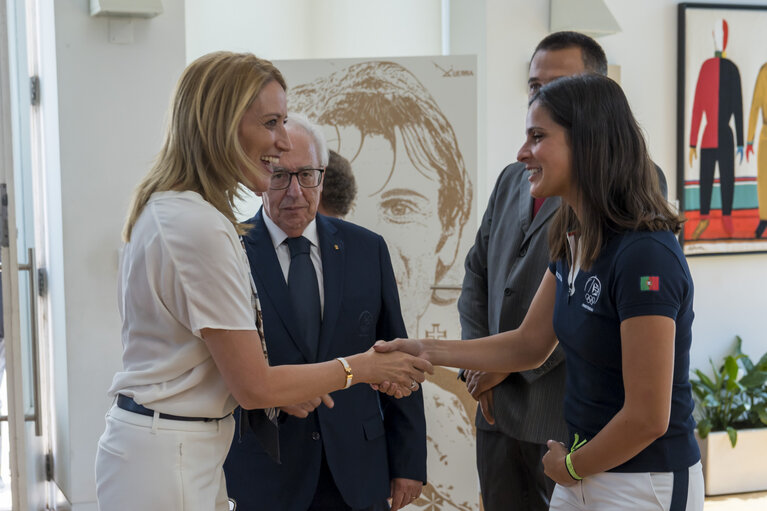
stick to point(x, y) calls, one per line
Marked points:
point(717, 95)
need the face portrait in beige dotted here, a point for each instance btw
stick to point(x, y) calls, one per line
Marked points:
point(413, 187)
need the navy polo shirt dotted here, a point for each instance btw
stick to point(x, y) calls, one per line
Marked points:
point(636, 274)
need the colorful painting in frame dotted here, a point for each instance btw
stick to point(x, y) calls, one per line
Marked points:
point(722, 143)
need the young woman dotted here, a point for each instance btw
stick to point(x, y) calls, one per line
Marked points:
point(191, 348)
point(618, 297)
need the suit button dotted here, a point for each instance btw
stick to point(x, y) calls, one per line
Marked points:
point(523, 251)
point(315, 436)
point(507, 291)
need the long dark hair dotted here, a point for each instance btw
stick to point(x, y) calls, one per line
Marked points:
point(616, 181)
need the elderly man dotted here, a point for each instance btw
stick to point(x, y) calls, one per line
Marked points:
point(520, 411)
point(327, 289)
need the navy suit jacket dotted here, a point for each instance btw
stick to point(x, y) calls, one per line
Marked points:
point(368, 437)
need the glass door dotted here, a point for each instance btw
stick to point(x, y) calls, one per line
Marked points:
point(23, 285)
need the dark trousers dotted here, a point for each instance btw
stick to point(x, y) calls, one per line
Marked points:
point(511, 473)
point(328, 498)
point(725, 156)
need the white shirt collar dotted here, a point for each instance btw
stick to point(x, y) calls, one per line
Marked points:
point(278, 235)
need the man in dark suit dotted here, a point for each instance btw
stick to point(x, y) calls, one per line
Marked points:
point(369, 446)
point(519, 412)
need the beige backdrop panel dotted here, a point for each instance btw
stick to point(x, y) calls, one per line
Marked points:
point(409, 128)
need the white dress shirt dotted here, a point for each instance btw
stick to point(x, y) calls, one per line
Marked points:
point(283, 252)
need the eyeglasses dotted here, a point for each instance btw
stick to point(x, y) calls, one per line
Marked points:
point(307, 178)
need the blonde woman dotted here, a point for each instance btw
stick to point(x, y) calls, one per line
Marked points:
point(191, 350)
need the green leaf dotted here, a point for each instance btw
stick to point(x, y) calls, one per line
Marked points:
point(732, 386)
point(762, 364)
point(704, 428)
point(754, 379)
point(711, 401)
point(761, 411)
point(718, 375)
point(733, 434)
point(731, 368)
point(735, 412)
point(705, 380)
point(747, 364)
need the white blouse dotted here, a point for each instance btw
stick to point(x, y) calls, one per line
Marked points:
point(183, 270)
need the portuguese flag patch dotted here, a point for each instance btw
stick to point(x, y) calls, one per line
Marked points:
point(649, 283)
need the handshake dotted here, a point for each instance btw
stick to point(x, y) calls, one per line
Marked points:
point(405, 351)
point(396, 368)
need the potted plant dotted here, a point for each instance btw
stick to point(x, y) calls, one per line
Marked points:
point(731, 409)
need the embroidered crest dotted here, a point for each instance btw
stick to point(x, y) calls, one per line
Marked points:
point(593, 288)
point(366, 323)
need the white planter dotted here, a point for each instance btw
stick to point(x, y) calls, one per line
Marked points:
point(734, 470)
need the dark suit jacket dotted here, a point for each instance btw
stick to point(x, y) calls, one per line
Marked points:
point(368, 437)
point(503, 271)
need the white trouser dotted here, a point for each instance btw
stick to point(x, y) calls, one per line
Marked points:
point(152, 464)
point(642, 491)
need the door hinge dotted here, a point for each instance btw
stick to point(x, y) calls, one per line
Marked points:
point(34, 90)
point(49, 466)
point(4, 241)
point(42, 282)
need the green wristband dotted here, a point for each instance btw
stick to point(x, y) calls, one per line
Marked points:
point(570, 468)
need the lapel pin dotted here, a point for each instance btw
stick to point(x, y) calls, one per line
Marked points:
point(335, 247)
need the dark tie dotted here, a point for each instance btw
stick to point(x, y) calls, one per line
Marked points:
point(304, 292)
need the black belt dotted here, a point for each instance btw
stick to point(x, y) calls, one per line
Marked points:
point(127, 403)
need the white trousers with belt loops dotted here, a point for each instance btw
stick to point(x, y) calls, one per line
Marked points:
point(152, 464)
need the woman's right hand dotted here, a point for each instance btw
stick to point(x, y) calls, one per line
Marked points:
point(406, 370)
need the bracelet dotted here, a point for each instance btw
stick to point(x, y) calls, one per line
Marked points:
point(348, 370)
point(570, 468)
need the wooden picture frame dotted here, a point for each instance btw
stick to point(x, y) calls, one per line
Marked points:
point(722, 107)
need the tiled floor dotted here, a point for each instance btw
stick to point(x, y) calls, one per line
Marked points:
point(740, 502)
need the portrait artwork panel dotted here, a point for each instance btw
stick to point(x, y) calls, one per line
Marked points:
point(722, 146)
point(408, 126)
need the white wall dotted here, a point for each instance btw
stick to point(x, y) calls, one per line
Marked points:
point(302, 29)
point(112, 102)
